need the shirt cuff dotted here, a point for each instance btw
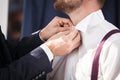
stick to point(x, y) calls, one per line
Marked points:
point(38, 32)
point(47, 51)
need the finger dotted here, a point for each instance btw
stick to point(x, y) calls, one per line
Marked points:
point(60, 23)
point(58, 35)
point(64, 28)
point(64, 24)
point(77, 41)
point(66, 32)
point(65, 21)
point(67, 25)
point(61, 34)
point(73, 34)
point(78, 36)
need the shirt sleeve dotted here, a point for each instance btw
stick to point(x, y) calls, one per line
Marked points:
point(110, 65)
point(44, 47)
point(47, 51)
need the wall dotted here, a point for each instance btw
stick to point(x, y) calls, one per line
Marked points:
point(4, 15)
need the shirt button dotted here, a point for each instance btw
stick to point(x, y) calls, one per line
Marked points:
point(36, 77)
point(40, 75)
point(43, 73)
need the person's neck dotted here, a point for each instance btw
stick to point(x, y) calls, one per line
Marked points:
point(79, 14)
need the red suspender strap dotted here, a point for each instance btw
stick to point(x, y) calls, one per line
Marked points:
point(95, 65)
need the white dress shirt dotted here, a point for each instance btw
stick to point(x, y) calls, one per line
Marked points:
point(78, 64)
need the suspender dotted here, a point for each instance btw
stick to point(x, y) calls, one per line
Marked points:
point(95, 65)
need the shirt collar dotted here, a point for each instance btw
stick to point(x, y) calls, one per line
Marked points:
point(91, 20)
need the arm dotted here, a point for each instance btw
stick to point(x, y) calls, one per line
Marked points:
point(27, 44)
point(27, 67)
point(110, 65)
point(36, 64)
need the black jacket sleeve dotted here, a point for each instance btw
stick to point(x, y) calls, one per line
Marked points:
point(32, 66)
point(24, 46)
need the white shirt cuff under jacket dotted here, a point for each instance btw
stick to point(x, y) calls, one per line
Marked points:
point(47, 51)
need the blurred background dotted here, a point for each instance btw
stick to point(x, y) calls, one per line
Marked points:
point(15, 17)
point(27, 16)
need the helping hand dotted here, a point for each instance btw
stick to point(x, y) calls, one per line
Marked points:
point(58, 24)
point(64, 42)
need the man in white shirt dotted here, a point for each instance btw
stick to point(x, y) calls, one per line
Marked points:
point(87, 16)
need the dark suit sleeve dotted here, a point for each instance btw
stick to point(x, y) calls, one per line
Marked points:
point(25, 45)
point(33, 66)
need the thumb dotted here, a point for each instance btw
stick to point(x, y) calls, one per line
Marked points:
point(72, 34)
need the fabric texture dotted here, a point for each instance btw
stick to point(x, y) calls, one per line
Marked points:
point(93, 28)
point(95, 65)
point(21, 63)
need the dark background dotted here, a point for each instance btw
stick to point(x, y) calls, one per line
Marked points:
point(35, 14)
